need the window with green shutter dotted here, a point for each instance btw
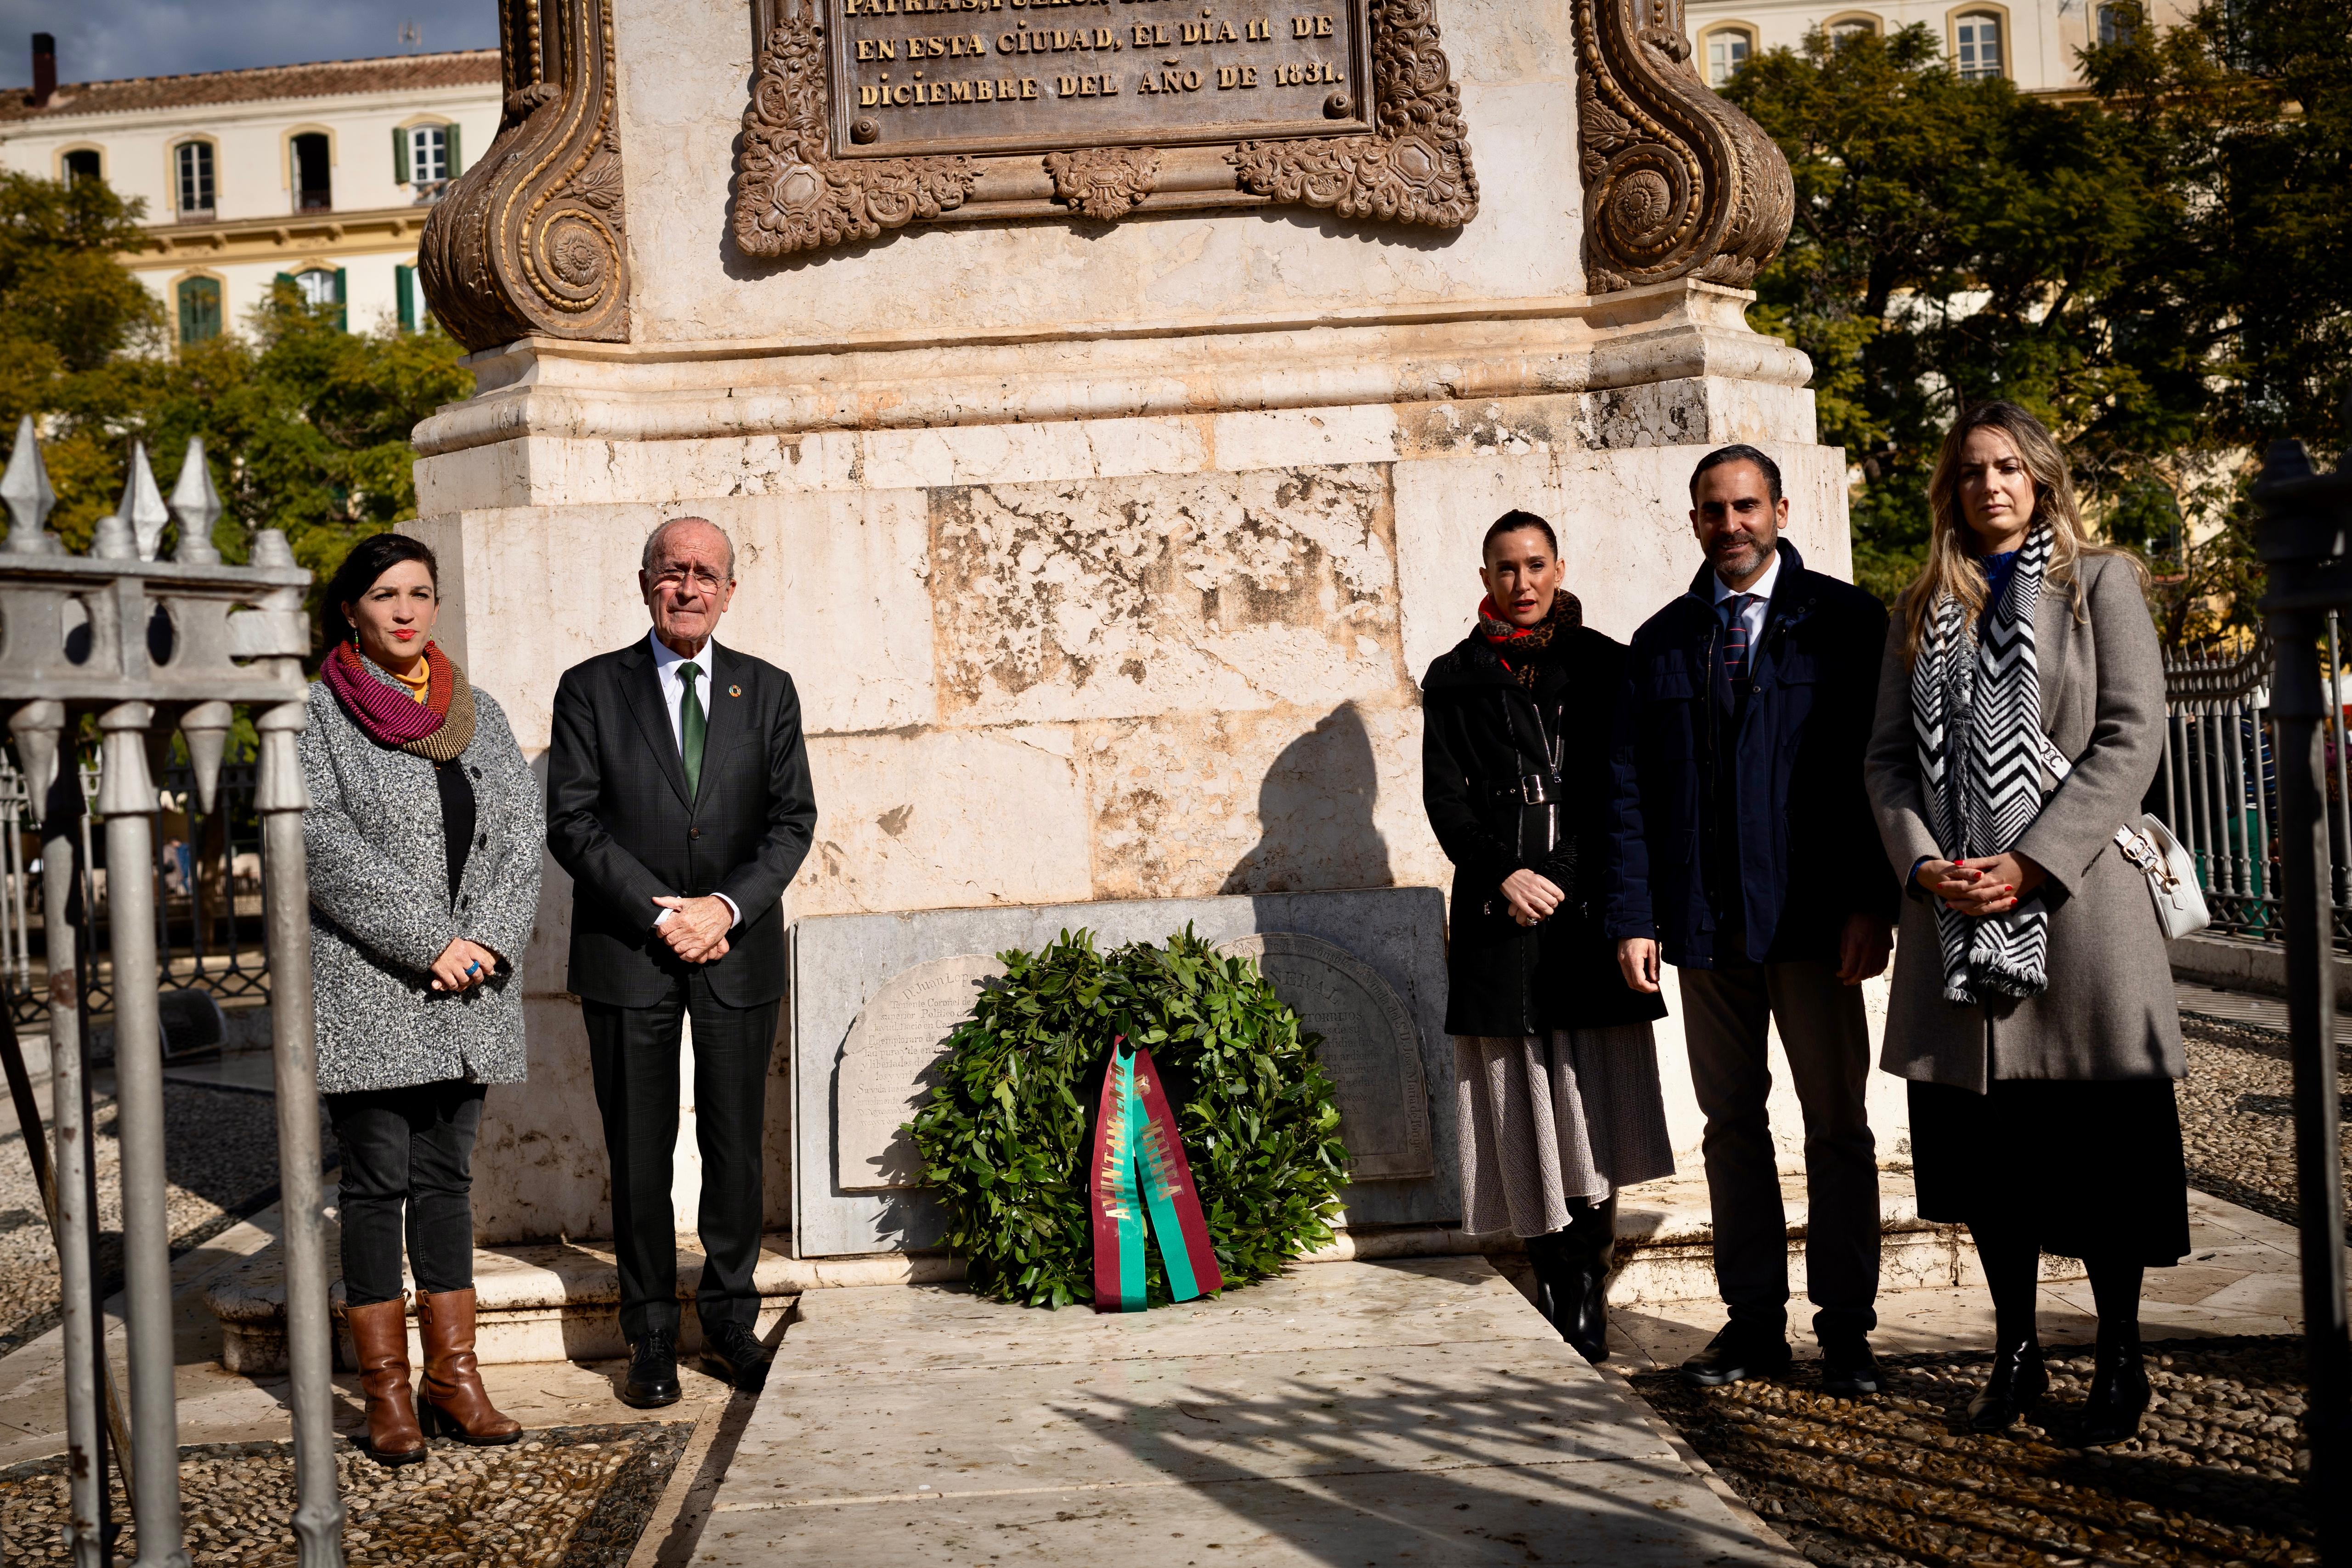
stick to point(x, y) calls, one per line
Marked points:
point(404, 289)
point(199, 309)
point(457, 164)
point(399, 156)
point(322, 290)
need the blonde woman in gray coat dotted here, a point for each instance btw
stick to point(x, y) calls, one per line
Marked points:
point(2020, 718)
point(423, 841)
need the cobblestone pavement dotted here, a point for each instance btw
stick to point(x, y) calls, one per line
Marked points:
point(2237, 1116)
point(1892, 1481)
point(567, 1497)
point(220, 1153)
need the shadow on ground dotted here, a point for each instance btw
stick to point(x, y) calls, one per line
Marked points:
point(1898, 1479)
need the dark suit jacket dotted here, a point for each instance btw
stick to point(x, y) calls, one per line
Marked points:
point(620, 821)
point(1807, 852)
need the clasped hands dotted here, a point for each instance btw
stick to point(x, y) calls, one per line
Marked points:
point(1531, 895)
point(1988, 886)
point(451, 971)
point(697, 929)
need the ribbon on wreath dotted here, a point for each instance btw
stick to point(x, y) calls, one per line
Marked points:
point(1137, 1147)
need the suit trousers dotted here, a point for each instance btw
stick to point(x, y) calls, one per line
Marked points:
point(1725, 1012)
point(634, 1054)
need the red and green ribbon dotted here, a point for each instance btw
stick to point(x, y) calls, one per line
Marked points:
point(1137, 1146)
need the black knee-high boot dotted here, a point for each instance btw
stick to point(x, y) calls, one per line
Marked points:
point(1571, 1268)
point(2013, 1268)
point(2119, 1391)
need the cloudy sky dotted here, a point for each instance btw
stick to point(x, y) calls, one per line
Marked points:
point(101, 38)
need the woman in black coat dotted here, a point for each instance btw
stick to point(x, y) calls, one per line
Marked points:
point(1555, 1073)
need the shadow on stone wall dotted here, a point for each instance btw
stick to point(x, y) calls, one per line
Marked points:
point(1315, 815)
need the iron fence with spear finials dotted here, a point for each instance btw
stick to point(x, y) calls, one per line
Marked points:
point(146, 647)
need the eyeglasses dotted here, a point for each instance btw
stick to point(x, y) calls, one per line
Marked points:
point(675, 577)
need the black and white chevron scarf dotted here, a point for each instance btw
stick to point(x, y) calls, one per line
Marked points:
point(1976, 708)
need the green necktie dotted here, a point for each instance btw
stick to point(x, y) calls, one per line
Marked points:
point(690, 729)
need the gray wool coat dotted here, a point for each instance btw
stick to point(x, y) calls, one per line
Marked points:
point(380, 905)
point(2108, 1012)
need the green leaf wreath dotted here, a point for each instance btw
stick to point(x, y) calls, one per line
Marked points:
point(1004, 1136)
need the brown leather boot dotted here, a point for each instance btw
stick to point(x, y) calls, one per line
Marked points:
point(381, 1334)
point(455, 1403)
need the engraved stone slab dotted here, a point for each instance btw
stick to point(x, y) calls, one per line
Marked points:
point(944, 77)
point(1370, 1048)
point(889, 1063)
point(841, 964)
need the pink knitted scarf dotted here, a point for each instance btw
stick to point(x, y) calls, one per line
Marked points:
point(390, 716)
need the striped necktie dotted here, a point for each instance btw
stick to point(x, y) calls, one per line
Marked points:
point(1734, 639)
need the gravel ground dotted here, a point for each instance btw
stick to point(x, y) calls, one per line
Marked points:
point(567, 1497)
point(2237, 1116)
point(1892, 1481)
point(220, 1154)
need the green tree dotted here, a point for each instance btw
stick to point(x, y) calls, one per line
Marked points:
point(306, 425)
point(2163, 273)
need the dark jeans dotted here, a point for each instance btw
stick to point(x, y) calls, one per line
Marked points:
point(1725, 1015)
point(410, 1148)
point(634, 1054)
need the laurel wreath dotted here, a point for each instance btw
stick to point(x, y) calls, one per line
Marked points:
point(1005, 1135)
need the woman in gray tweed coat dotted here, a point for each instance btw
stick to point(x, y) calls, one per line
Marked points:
point(2020, 718)
point(423, 836)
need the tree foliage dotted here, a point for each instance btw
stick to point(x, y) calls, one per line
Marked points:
point(2162, 271)
point(1004, 1136)
point(306, 425)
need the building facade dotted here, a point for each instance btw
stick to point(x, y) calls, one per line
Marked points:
point(322, 173)
point(2036, 44)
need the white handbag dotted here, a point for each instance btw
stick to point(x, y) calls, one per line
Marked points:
point(2158, 855)
point(2171, 876)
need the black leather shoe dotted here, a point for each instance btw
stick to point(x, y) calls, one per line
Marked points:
point(1736, 1355)
point(1848, 1368)
point(2118, 1397)
point(653, 1371)
point(742, 1360)
point(2017, 1382)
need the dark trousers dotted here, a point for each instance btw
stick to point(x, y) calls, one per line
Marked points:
point(634, 1053)
point(409, 1148)
point(1725, 1015)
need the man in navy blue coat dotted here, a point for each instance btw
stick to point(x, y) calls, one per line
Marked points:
point(1745, 854)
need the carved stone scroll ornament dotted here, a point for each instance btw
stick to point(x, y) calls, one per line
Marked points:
point(1677, 182)
point(531, 239)
point(791, 194)
point(1104, 181)
point(1415, 168)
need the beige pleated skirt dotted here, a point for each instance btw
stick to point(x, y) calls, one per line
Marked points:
point(1541, 1128)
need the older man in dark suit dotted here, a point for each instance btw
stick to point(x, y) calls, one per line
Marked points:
point(678, 799)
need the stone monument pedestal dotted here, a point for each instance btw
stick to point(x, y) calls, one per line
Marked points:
point(1107, 460)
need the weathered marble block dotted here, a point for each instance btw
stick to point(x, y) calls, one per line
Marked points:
point(870, 1006)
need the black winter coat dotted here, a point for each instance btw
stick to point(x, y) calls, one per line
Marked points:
point(1481, 729)
point(1808, 854)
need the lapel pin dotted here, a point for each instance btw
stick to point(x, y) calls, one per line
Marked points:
point(734, 691)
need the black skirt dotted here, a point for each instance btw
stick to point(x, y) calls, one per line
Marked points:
point(2087, 1169)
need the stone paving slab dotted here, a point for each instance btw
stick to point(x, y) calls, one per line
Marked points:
point(1660, 1513)
point(1324, 1305)
point(1409, 1412)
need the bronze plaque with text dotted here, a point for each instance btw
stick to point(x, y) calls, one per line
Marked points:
point(918, 76)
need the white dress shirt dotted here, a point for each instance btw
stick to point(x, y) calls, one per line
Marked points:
point(1751, 613)
point(665, 662)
